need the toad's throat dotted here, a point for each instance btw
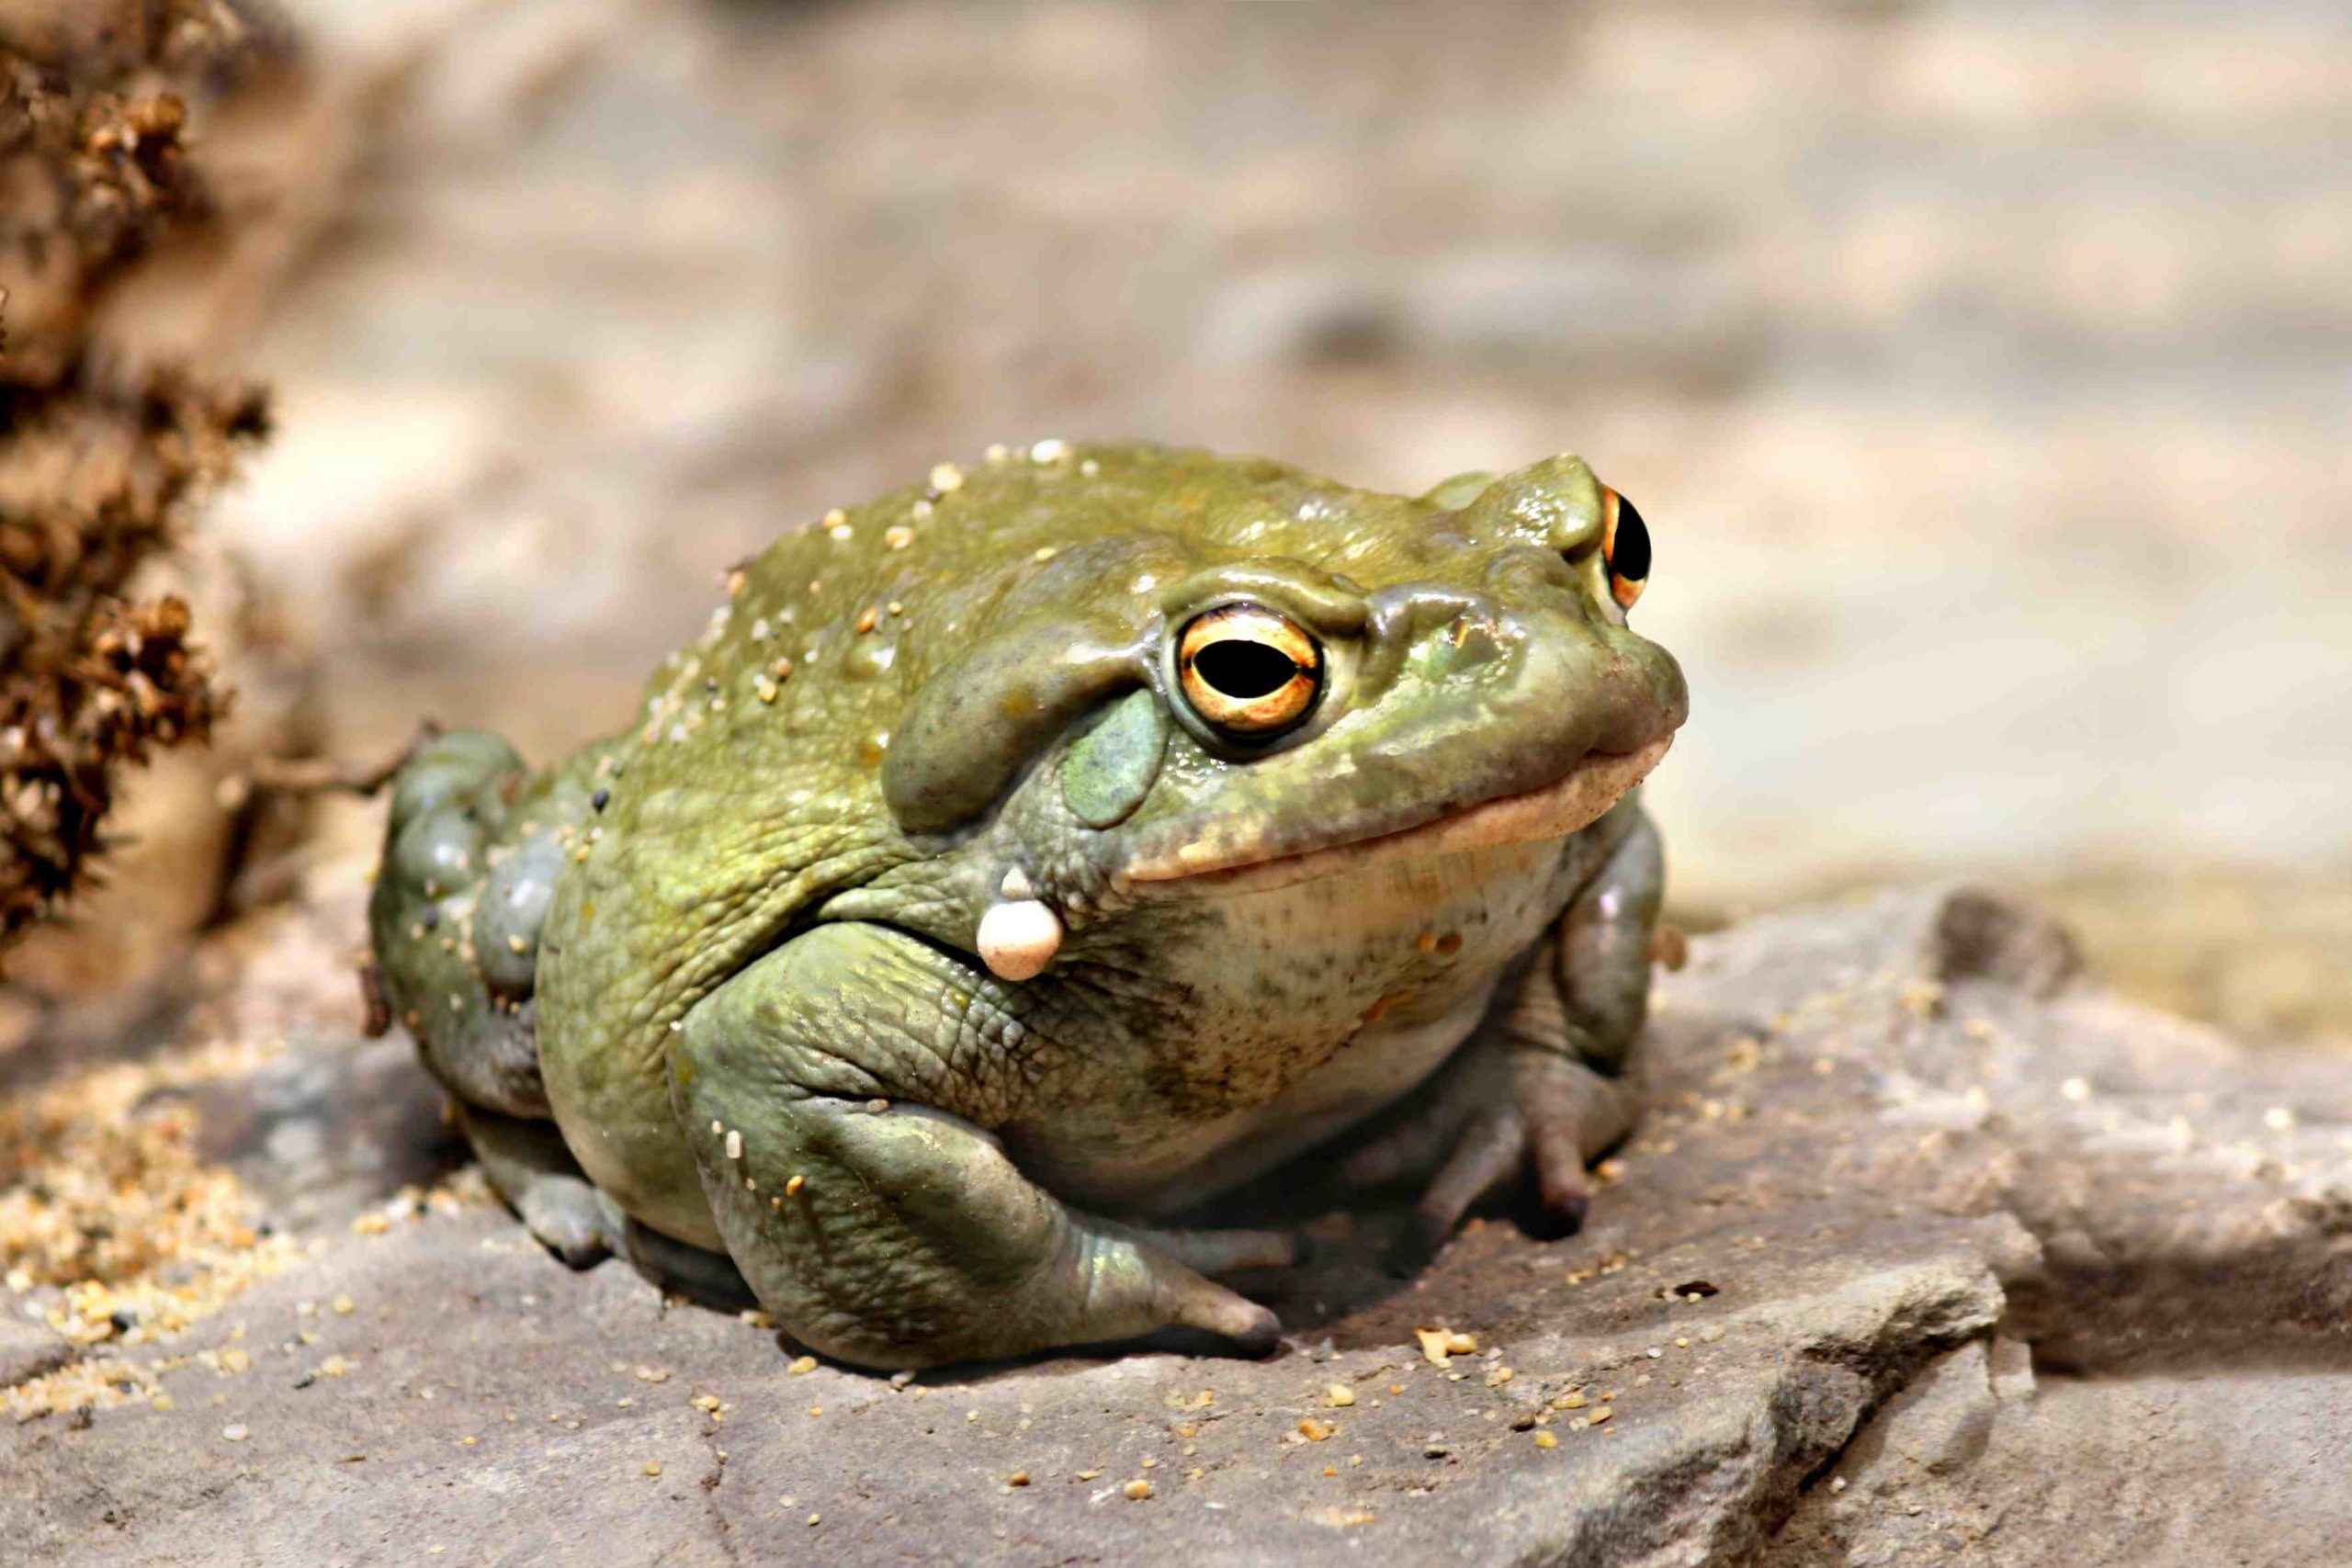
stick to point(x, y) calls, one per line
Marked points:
point(1573, 801)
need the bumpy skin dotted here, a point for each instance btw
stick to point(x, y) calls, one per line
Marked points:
point(734, 953)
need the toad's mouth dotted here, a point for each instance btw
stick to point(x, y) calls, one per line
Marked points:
point(1575, 800)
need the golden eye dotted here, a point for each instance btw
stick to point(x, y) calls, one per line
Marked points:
point(1249, 671)
point(1625, 547)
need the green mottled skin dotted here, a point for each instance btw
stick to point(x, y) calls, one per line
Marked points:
point(769, 923)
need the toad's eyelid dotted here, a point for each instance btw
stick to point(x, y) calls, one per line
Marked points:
point(1295, 589)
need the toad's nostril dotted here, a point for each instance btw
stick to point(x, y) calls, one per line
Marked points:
point(1412, 627)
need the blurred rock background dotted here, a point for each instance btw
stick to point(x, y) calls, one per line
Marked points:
point(1984, 369)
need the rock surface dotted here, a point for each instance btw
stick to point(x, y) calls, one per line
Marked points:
point(1931, 1252)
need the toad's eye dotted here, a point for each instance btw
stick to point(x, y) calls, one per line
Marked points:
point(1249, 671)
point(1625, 547)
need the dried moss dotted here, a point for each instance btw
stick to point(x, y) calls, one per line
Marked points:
point(100, 461)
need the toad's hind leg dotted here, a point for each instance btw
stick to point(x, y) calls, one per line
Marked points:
point(682, 1268)
point(839, 1119)
point(473, 848)
point(528, 1165)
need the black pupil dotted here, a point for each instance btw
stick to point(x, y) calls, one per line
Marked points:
point(1630, 558)
point(1244, 669)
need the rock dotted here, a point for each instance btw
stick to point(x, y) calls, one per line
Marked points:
point(2010, 1368)
point(2208, 1465)
point(324, 1131)
point(1900, 1169)
point(1938, 1422)
point(27, 1350)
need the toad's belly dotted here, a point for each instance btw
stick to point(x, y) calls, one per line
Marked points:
point(1308, 1007)
point(1383, 1062)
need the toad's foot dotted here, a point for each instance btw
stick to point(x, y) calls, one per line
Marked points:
point(528, 1165)
point(1499, 1112)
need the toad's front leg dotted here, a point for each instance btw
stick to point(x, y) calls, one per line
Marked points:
point(837, 1095)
